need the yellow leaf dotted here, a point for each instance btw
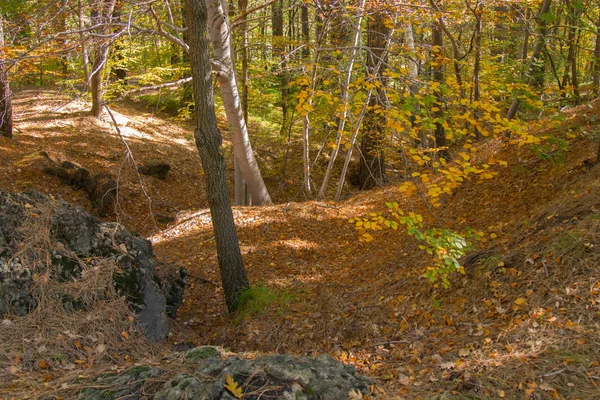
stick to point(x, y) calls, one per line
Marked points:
point(233, 387)
point(125, 335)
point(520, 301)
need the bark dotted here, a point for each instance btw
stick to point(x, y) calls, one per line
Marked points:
point(363, 112)
point(85, 54)
point(320, 35)
point(102, 12)
point(413, 78)
point(208, 141)
point(535, 56)
point(572, 39)
point(305, 30)
point(6, 115)
point(242, 197)
point(371, 170)
point(344, 99)
point(225, 70)
point(279, 52)
point(477, 62)
point(596, 73)
point(455, 51)
point(441, 144)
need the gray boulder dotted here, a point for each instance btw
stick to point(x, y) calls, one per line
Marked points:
point(81, 234)
point(206, 372)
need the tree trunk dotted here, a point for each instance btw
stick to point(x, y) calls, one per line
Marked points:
point(85, 54)
point(102, 12)
point(535, 56)
point(437, 36)
point(371, 170)
point(6, 116)
point(242, 197)
point(572, 39)
point(477, 13)
point(225, 71)
point(413, 79)
point(596, 73)
point(208, 141)
point(344, 99)
point(305, 30)
point(280, 53)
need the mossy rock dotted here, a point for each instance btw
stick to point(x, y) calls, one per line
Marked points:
point(202, 353)
point(127, 384)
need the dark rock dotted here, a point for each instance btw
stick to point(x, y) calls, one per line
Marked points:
point(157, 169)
point(184, 346)
point(80, 235)
point(100, 188)
point(172, 284)
point(164, 219)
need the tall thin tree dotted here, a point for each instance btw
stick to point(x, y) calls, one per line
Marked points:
point(6, 117)
point(208, 141)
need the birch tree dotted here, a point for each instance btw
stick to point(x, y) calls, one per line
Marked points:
point(220, 36)
point(6, 117)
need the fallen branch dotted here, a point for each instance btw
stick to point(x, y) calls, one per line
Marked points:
point(154, 87)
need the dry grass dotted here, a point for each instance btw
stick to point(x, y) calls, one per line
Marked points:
point(52, 340)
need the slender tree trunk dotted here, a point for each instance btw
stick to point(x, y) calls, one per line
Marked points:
point(320, 36)
point(102, 12)
point(280, 53)
point(371, 170)
point(85, 54)
point(535, 56)
point(572, 39)
point(225, 71)
point(437, 42)
point(344, 99)
point(242, 197)
point(6, 116)
point(596, 72)
point(413, 77)
point(377, 72)
point(455, 51)
point(477, 12)
point(208, 141)
point(305, 30)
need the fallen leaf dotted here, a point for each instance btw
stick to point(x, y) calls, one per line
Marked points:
point(232, 386)
point(355, 395)
point(520, 301)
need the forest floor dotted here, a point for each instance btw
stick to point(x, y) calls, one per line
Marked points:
point(522, 322)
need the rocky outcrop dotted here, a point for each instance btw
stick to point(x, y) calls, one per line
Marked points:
point(207, 373)
point(77, 236)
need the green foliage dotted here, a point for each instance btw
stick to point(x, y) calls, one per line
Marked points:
point(258, 300)
point(551, 149)
point(446, 247)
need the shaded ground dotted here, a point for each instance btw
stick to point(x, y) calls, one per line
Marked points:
point(522, 322)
